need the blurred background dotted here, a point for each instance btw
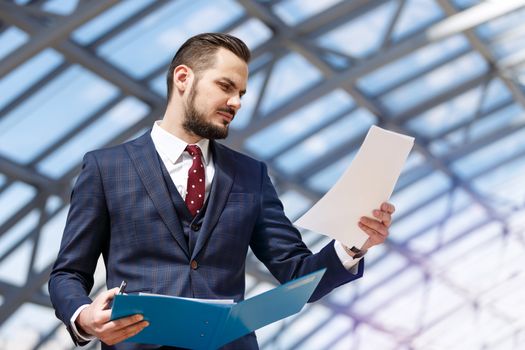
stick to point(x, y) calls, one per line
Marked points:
point(80, 75)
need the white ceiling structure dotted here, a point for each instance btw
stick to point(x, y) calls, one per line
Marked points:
point(80, 75)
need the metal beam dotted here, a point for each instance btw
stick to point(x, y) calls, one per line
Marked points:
point(44, 37)
point(31, 177)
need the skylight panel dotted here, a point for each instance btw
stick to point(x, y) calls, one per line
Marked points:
point(291, 75)
point(153, 41)
point(483, 158)
point(412, 65)
point(445, 78)
point(505, 185)
point(322, 143)
point(361, 36)
point(463, 4)
point(323, 180)
point(276, 137)
point(52, 112)
point(443, 117)
point(294, 204)
point(13, 198)
point(416, 15)
point(445, 257)
point(460, 222)
point(407, 314)
point(328, 333)
point(419, 192)
point(365, 337)
point(293, 12)
point(49, 242)
point(501, 24)
point(426, 216)
point(11, 39)
point(495, 95)
point(108, 20)
point(374, 300)
point(253, 32)
point(158, 84)
point(121, 117)
point(60, 7)
point(390, 264)
point(24, 76)
point(21, 229)
point(300, 327)
point(24, 329)
point(504, 48)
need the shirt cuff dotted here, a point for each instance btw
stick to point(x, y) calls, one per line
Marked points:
point(348, 262)
point(81, 336)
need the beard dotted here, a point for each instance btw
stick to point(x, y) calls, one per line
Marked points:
point(195, 122)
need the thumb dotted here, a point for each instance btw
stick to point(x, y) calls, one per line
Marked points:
point(104, 298)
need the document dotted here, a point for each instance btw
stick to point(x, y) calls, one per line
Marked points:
point(369, 180)
point(197, 324)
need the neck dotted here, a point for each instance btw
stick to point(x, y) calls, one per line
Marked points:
point(172, 123)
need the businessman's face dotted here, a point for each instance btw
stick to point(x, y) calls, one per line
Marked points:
point(215, 96)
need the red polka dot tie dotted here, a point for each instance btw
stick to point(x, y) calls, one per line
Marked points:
point(195, 189)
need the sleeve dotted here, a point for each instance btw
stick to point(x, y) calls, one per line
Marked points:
point(279, 246)
point(80, 336)
point(348, 262)
point(86, 235)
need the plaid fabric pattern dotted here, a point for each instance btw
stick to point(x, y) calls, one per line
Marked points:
point(121, 209)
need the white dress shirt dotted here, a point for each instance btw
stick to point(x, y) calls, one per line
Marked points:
point(171, 150)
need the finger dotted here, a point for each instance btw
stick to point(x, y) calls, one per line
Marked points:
point(389, 208)
point(102, 317)
point(125, 333)
point(122, 323)
point(374, 225)
point(384, 217)
point(374, 236)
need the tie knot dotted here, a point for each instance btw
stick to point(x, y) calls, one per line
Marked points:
point(193, 150)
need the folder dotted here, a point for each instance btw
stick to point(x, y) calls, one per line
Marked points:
point(194, 324)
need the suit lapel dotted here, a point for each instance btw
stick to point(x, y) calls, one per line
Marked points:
point(220, 190)
point(145, 159)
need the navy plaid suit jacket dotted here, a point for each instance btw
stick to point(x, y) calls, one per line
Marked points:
point(121, 208)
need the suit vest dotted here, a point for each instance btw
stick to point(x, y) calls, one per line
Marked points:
point(190, 225)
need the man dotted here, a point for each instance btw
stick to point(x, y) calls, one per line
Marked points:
point(173, 212)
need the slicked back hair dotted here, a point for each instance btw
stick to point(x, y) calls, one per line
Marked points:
point(198, 53)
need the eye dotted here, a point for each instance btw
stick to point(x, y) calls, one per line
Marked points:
point(225, 87)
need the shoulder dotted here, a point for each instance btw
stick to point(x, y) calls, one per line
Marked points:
point(114, 154)
point(240, 159)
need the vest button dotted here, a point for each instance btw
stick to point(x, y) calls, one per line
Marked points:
point(195, 227)
point(194, 265)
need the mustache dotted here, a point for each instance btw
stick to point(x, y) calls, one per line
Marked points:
point(227, 110)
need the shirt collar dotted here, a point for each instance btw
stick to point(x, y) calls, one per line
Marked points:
point(173, 147)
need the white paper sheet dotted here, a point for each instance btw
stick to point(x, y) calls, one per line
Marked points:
point(369, 180)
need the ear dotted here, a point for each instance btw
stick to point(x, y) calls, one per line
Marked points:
point(182, 77)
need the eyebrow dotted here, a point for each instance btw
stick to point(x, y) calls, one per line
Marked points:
point(230, 82)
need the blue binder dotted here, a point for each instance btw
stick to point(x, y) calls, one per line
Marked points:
point(202, 325)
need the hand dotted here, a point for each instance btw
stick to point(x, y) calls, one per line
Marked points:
point(377, 229)
point(95, 320)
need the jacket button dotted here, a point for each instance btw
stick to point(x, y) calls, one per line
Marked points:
point(194, 265)
point(195, 227)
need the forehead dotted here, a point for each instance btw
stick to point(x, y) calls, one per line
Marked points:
point(228, 65)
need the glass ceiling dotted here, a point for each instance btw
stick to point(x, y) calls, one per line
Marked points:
point(80, 75)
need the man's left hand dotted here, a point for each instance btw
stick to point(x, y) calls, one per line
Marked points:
point(377, 228)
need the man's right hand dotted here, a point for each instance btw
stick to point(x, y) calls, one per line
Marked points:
point(95, 320)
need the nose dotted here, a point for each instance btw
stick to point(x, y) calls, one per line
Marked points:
point(234, 102)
